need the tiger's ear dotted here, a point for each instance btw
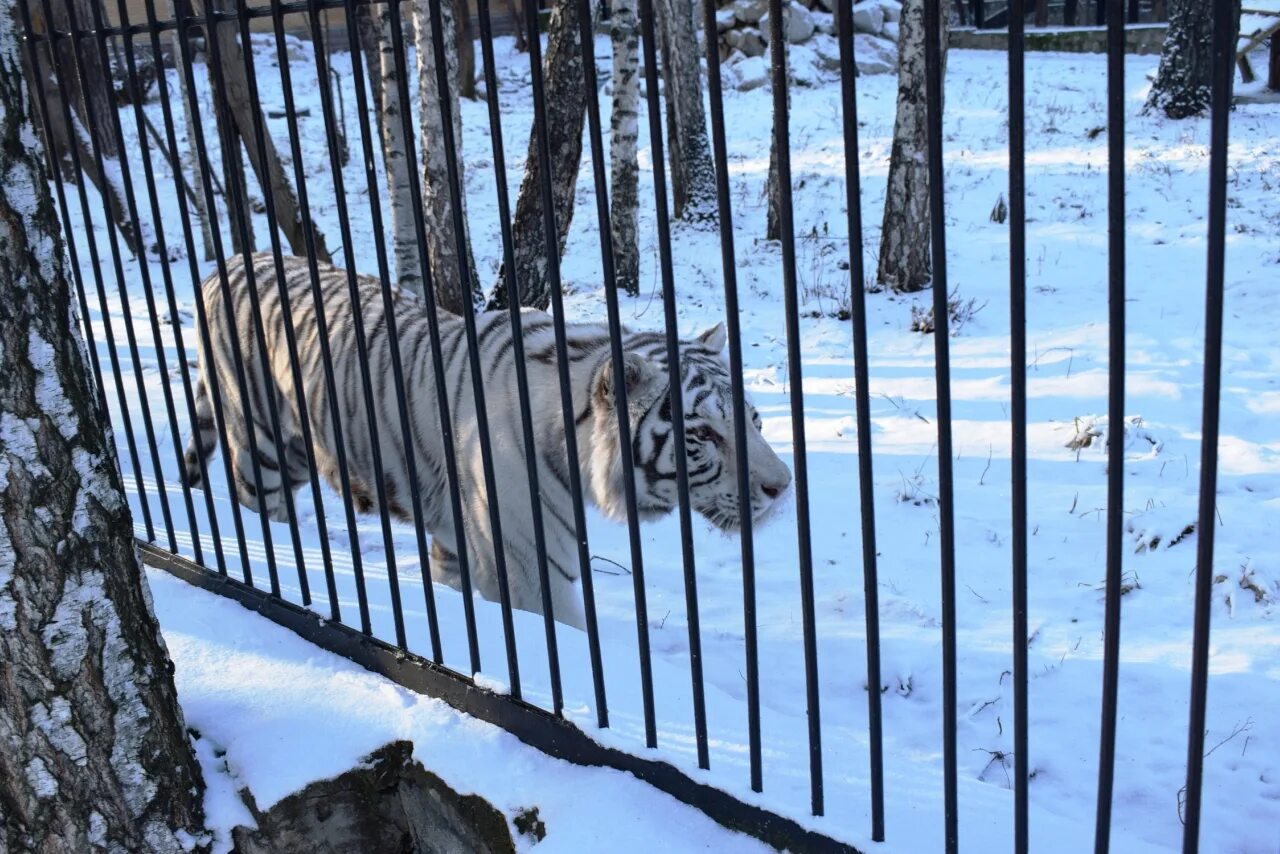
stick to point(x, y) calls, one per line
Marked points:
point(636, 370)
point(714, 338)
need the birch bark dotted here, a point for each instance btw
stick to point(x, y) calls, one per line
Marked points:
point(905, 262)
point(95, 753)
point(693, 176)
point(453, 294)
point(624, 31)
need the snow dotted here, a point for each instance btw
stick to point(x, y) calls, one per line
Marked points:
point(274, 713)
point(240, 701)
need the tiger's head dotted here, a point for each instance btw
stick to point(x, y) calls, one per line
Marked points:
point(709, 436)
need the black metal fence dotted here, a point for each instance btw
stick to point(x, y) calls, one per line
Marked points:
point(997, 14)
point(169, 539)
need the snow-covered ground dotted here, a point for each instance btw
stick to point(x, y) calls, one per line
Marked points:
point(1066, 164)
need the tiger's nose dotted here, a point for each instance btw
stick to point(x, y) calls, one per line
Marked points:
point(771, 490)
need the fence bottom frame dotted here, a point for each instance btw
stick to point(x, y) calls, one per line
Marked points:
point(532, 725)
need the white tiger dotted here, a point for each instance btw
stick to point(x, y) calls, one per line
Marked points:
point(707, 404)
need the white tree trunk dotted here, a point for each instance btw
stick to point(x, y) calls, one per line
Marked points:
point(375, 37)
point(905, 261)
point(452, 293)
point(693, 175)
point(624, 30)
point(95, 754)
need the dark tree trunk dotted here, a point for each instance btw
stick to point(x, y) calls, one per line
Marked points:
point(91, 97)
point(271, 174)
point(94, 120)
point(1184, 84)
point(566, 112)
point(465, 37)
point(453, 294)
point(905, 262)
point(693, 175)
point(517, 23)
point(95, 755)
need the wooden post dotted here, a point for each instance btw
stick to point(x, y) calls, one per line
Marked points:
point(1042, 13)
point(1273, 63)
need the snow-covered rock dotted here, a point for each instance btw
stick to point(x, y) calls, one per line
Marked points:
point(868, 17)
point(750, 11)
point(797, 24)
point(751, 73)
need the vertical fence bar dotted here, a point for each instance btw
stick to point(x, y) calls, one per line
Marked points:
point(51, 156)
point(437, 357)
point(126, 312)
point(162, 85)
point(194, 131)
point(322, 337)
point(514, 302)
point(210, 372)
point(255, 299)
point(1115, 420)
point(239, 212)
point(1223, 56)
point(473, 345)
point(728, 262)
point(131, 77)
point(357, 311)
point(77, 34)
point(408, 436)
point(675, 394)
point(625, 446)
point(782, 141)
point(933, 35)
point(586, 31)
point(286, 316)
point(862, 399)
point(388, 304)
point(1018, 413)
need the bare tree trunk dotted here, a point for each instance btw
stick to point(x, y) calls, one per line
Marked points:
point(465, 36)
point(452, 293)
point(234, 184)
point(375, 40)
point(1184, 84)
point(271, 174)
point(624, 30)
point(96, 755)
point(91, 96)
point(905, 262)
point(566, 112)
point(187, 162)
point(76, 133)
point(693, 175)
point(517, 22)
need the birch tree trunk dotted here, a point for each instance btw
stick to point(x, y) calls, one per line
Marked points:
point(375, 39)
point(452, 293)
point(905, 262)
point(271, 174)
point(693, 174)
point(95, 753)
point(624, 30)
point(566, 113)
point(1184, 84)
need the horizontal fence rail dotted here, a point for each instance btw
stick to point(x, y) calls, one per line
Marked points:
point(316, 376)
